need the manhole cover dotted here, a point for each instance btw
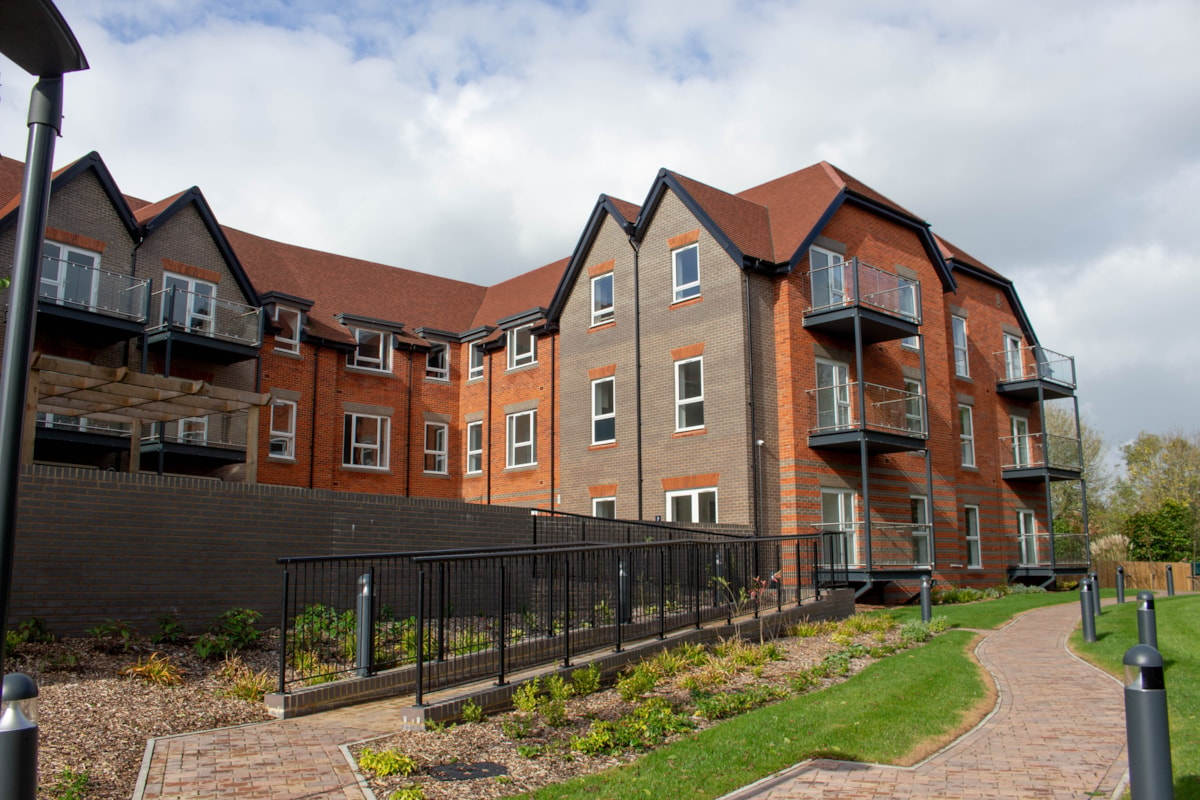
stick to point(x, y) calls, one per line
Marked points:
point(467, 772)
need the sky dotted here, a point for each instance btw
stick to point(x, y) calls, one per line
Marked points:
point(1059, 142)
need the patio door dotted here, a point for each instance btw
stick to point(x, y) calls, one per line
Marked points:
point(840, 522)
point(68, 276)
point(1014, 358)
point(189, 303)
point(1020, 441)
point(828, 274)
point(919, 509)
point(833, 395)
point(1027, 537)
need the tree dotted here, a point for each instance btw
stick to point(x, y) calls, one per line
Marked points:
point(1164, 534)
point(1161, 473)
point(1066, 495)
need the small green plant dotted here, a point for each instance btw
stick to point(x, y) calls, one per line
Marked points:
point(517, 726)
point(12, 641)
point(638, 681)
point(169, 630)
point(470, 640)
point(63, 662)
point(553, 706)
point(603, 611)
point(694, 655)
point(414, 792)
point(529, 750)
point(70, 784)
point(156, 669)
point(586, 680)
point(237, 624)
point(34, 630)
point(647, 726)
point(384, 763)
point(724, 705)
point(525, 696)
point(807, 629)
point(246, 684)
point(472, 712)
point(914, 632)
point(114, 633)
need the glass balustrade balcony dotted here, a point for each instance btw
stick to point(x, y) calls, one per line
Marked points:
point(95, 304)
point(1035, 456)
point(883, 305)
point(894, 419)
point(204, 327)
point(1025, 373)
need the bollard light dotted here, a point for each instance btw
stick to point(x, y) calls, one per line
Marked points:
point(1095, 593)
point(1120, 584)
point(1147, 732)
point(1170, 581)
point(1147, 625)
point(364, 634)
point(1085, 610)
point(926, 600)
point(19, 736)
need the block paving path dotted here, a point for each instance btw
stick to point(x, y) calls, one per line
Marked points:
point(1058, 731)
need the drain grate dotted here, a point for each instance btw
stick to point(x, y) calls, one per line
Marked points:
point(467, 772)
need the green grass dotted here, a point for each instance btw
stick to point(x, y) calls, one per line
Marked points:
point(879, 715)
point(989, 614)
point(1178, 623)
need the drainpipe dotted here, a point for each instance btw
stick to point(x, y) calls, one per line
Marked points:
point(637, 373)
point(487, 423)
point(553, 418)
point(408, 420)
point(756, 443)
point(929, 504)
point(863, 457)
point(312, 425)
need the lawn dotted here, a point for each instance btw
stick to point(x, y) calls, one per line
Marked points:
point(1179, 643)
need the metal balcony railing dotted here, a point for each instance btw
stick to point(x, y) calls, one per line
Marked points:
point(892, 545)
point(202, 314)
point(1041, 450)
point(72, 285)
point(227, 430)
point(1047, 549)
point(888, 409)
point(82, 424)
point(1035, 363)
point(856, 283)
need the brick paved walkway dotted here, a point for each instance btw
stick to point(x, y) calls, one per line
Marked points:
point(1057, 731)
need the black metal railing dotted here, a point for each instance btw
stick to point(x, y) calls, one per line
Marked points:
point(450, 617)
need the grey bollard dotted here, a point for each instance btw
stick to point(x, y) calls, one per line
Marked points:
point(1095, 593)
point(625, 594)
point(1147, 625)
point(1085, 610)
point(18, 738)
point(1146, 729)
point(366, 626)
point(1170, 581)
point(926, 600)
point(1120, 584)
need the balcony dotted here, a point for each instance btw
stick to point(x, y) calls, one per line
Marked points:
point(89, 304)
point(195, 445)
point(895, 419)
point(896, 551)
point(1037, 456)
point(1047, 554)
point(64, 439)
point(197, 325)
point(884, 306)
point(1032, 373)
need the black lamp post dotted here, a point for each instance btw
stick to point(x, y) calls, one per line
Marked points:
point(38, 40)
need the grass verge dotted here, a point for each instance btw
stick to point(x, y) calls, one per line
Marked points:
point(881, 715)
point(1178, 622)
point(989, 614)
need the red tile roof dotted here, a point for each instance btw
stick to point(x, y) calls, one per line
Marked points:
point(745, 222)
point(144, 213)
point(628, 210)
point(523, 293)
point(951, 251)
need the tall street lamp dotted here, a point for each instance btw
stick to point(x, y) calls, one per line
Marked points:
point(34, 35)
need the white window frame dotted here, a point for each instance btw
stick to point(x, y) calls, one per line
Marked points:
point(282, 343)
point(437, 453)
point(971, 535)
point(475, 371)
point(1014, 357)
point(958, 338)
point(966, 434)
point(914, 406)
point(598, 501)
point(602, 314)
point(521, 357)
point(192, 430)
point(1027, 542)
point(515, 447)
point(474, 454)
point(833, 386)
point(286, 436)
point(600, 417)
point(922, 529)
point(196, 318)
point(843, 523)
point(695, 496)
point(1021, 452)
point(689, 289)
point(354, 452)
point(381, 362)
point(826, 279)
point(63, 264)
point(438, 368)
point(683, 404)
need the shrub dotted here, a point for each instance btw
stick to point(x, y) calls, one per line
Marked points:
point(169, 630)
point(156, 669)
point(247, 684)
point(408, 793)
point(586, 680)
point(914, 632)
point(525, 696)
point(517, 726)
point(114, 633)
point(237, 625)
point(472, 712)
point(806, 629)
point(12, 640)
point(722, 706)
point(638, 681)
point(694, 655)
point(470, 640)
point(383, 763)
point(866, 623)
point(553, 706)
point(647, 726)
point(34, 630)
point(70, 784)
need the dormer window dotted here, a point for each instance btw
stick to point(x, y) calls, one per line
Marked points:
point(522, 347)
point(602, 299)
point(288, 320)
point(687, 272)
point(475, 357)
point(373, 351)
point(69, 275)
point(188, 303)
point(437, 362)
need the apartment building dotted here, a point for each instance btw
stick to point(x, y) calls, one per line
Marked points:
point(805, 355)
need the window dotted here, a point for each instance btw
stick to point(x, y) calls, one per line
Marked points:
point(475, 361)
point(288, 322)
point(602, 299)
point(522, 347)
point(908, 308)
point(840, 524)
point(692, 505)
point(971, 532)
point(604, 411)
point(914, 413)
point(919, 516)
point(188, 303)
point(474, 447)
point(833, 395)
point(435, 447)
point(689, 394)
point(966, 435)
point(283, 429)
point(827, 272)
point(687, 272)
point(69, 275)
point(1020, 441)
point(372, 351)
point(522, 446)
point(193, 430)
point(1027, 537)
point(604, 507)
point(437, 362)
point(958, 327)
point(1014, 361)
point(365, 441)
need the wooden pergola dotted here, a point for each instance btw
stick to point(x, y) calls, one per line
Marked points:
point(72, 388)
